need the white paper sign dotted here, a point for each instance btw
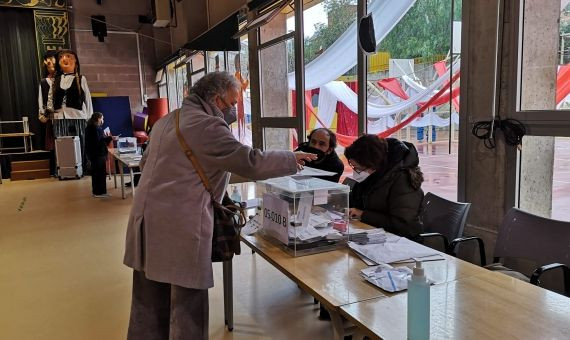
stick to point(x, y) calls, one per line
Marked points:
point(276, 217)
point(321, 197)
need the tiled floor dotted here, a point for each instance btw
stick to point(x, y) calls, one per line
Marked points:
point(62, 277)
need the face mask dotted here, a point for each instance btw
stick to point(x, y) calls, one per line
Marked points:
point(320, 154)
point(360, 177)
point(230, 114)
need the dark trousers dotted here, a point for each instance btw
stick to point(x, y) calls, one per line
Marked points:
point(98, 175)
point(161, 311)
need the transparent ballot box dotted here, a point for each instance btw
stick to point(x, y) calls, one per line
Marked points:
point(304, 215)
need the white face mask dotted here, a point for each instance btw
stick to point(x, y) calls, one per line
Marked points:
point(360, 177)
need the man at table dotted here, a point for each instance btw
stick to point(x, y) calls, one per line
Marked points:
point(169, 236)
point(322, 142)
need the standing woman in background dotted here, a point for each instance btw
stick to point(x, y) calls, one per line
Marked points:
point(96, 150)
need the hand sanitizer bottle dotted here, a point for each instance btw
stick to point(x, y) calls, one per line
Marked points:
point(235, 195)
point(418, 305)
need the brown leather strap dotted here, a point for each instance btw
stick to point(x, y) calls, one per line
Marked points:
point(190, 155)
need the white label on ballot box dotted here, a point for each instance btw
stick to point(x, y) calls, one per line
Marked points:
point(276, 217)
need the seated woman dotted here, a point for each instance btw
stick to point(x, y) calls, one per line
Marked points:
point(322, 142)
point(389, 193)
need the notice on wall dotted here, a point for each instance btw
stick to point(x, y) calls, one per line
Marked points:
point(276, 217)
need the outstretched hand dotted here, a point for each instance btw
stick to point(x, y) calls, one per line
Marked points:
point(303, 157)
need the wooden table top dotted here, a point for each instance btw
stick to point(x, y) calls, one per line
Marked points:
point(485, 306)
point(16, 134)
point(334, 276)
point(131, 160)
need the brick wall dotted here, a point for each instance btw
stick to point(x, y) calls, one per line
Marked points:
point(112, 66)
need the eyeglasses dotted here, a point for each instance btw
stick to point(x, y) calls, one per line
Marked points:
point(358, 171)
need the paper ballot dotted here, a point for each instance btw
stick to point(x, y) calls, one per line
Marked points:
point(394, 249)
point(308, 171)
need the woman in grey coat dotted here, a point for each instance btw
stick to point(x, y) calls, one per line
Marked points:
point(169, 235)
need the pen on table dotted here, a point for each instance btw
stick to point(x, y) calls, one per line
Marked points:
point(392, 281)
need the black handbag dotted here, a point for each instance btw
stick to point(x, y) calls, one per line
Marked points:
point(229, 216)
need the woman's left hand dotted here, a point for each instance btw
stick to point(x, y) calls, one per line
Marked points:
point(355, 213)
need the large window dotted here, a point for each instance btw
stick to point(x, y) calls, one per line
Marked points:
point(216, 61)
point(543, 88)
point(545, 70)
point(412, 64)
point(238, 65)
point(161, 82)
point(330, 68)
point(197, 67)
point(276, 60)
point(409, 95)
point(181, 82)
point(176, 83)
point(171, 85)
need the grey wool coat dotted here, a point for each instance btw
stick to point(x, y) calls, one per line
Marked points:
point(169, 235)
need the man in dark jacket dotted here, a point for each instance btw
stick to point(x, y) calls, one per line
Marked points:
point(322, 142)
point(389, 193)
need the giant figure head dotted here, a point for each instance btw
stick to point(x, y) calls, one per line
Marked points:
point(49, 63)
point(67, 62)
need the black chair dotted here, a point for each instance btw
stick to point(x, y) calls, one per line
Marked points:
point(443, 219)
point(544, 241)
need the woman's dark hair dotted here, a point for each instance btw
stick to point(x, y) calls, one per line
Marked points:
point(332, 136)
point(369, 151)
point(94, 118)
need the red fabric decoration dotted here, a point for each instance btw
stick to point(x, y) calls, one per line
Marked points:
point(393, 85)
point(440, 68)
point(347, 120)
point(563, 83)
point(444, 99)
point(345, 140)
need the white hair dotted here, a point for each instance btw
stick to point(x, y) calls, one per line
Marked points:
point(214, 84)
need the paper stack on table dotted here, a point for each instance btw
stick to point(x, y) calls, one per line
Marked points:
point(394, 249)
point(368, 236)
point(388, 278)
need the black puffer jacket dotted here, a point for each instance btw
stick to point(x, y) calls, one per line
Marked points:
point(392, 199)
